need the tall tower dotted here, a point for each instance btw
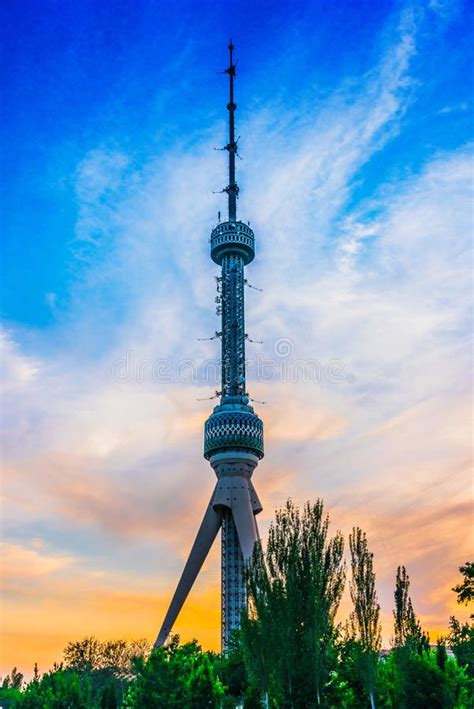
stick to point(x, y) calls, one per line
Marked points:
point(233, 434)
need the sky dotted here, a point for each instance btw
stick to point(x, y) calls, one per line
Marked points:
point(356, 176)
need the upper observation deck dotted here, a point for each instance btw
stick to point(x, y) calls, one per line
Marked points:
point(232, 238)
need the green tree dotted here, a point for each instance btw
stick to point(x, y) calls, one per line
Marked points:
point(461, 635)
point(460, 685)
point(9, 697)
point(230, 668)
point(82, 655)
point(90, 654)
point(408, 632)
point(365, 618)
point(259, 635)
point(107, 665)
point(108, 697)
point(441, 654)
point(57, 690)
point(412, 681)
point(461, 642)
point(413, 676)
point(175, 676)
point(348, 668)
point(13, 681)
point(294, 591)
point(204, 688)
point(465, 589)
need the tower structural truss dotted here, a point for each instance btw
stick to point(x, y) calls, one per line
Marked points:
point(233, 433)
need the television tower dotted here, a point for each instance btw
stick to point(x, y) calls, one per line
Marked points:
point(233, 434)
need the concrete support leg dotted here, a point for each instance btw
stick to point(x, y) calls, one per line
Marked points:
point(207, 533)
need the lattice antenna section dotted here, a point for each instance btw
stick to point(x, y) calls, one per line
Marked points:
point(232, 188)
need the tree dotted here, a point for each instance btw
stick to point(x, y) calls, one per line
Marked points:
point(365, 618)
point(174, 676)
point(461, 642)
point(441, 654)
point(9, 697)
point(294, 591)
point(230, 668)
point(56, 690)
point(408, 632)
point(13, 681)
point(83, 655)
point(259, 635)
point(107, 664)
point(203, 686)
point(461, 635)
point(413, 676)
point(413, 681)
point(90, 655)
point(108, 698)
point(465, 589)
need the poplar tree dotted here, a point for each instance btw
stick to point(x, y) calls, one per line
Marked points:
point(408, 631)
point(258, 632)
point(365, 618)
point(294, 591)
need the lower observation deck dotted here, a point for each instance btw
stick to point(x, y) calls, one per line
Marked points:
point(234, 429)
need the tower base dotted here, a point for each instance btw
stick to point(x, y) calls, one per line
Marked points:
point(233, 594)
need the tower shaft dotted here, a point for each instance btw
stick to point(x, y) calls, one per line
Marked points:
point(233, 327)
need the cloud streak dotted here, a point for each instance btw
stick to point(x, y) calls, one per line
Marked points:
point(377, 282)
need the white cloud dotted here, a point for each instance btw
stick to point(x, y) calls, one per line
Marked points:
point(386, 295)
point(16, 369)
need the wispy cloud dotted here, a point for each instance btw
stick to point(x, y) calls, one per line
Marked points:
point(378, 284)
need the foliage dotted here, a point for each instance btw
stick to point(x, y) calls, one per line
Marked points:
point(408, 632)
point(413, 681)
point(10, 688)
point(365, 618)
point(115, 656)
point(175, 676)
point(294, 590)
point(9, 697)
point(56, 690)
point(230, 668)
point(465, 589)
point(461, 635)
point(107, 665)
point(461, 642)
point(13, 681)
point(441, 654)
point(348, 671)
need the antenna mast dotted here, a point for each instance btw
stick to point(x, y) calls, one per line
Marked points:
point(232, 188)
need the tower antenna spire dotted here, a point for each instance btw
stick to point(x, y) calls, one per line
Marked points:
point(232, 188)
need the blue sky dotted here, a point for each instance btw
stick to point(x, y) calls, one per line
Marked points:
point(356, 128)
point(142, 77)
